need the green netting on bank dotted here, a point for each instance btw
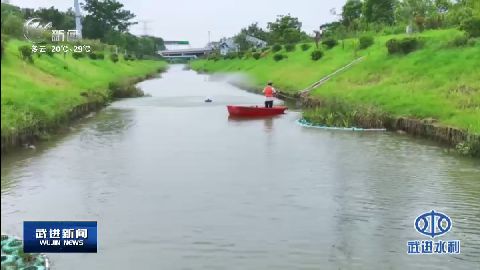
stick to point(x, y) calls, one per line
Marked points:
point(13, 257)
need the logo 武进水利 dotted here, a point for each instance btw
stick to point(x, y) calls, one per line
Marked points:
point(433, 224)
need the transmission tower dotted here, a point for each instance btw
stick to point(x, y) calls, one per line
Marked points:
point(78, 16)
point(145, 26)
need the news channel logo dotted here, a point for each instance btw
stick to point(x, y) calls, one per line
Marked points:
point(60, 236)
point(433, 224)
point(36, 31)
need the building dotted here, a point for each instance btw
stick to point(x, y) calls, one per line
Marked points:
point(227, 45)
point(214, 45)
point(256, 42)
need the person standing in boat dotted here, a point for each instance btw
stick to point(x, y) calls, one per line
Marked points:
point(269, 93)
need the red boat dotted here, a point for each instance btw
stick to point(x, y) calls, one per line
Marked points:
point(255, 111)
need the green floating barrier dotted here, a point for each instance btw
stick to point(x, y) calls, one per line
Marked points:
point(305, 123)
point(33, 267)
point(9, 259)
point(6, 239)
point(13, 246)
point(21, 262)
point(40, 260)
point(13, 257)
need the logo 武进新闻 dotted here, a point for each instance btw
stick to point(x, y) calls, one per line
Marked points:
point(34, 30)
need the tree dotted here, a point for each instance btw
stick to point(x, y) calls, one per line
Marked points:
point(105, 16)
point(416, 11)
point(159, 43)
point(131, 43)
point(462, 11)
point(241, 40)
point(12, 21)
point(317, 37)
point(59, 20)
point(256, 31)
point(286, 29)
point(252, 30)
point(12, 25)
point(380, 11)
point(351, 11)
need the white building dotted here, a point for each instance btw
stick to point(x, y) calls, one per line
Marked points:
point(256, 42)
point(227, 45)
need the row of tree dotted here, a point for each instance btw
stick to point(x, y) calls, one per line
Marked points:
point(286, 29)
point(368, 16)
point(105, 20)
point(417, 15)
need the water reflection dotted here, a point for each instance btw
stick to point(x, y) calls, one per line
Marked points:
point(268, 124)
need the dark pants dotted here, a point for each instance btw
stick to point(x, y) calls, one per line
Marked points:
point(269, 104)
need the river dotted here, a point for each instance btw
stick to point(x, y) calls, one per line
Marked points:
point(175, 184)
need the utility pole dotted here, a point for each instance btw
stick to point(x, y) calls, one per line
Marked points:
point(78, 16)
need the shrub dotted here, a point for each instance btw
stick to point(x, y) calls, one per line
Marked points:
point(214, 56)
point(290, 47)
point(92, 56)
point(26, 52)
point(253, 50)
point(316, 55)
point(231, 55)
point(459, 41)
point(124, 90)
point(264, 49)
point(365, 42)
point(305, 46)
point(256, 55)
point(100, 56)
point(330, 43)
point(94, 44)
point(276, 47)
point(434, 22)
point(77, 55)
point(409, 45)
point(472, 26)
point(403, 46)
point(114, 57)
point(12, 25)
point(393, 46)
point(240, 55)
point(277, 57)
point(49, 52)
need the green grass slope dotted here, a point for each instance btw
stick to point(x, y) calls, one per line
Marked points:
point(42, 93)
point(292, 74)
point(439, 81)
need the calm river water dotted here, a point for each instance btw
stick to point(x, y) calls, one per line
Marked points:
point(175, 184)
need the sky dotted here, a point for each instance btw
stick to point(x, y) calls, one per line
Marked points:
point(192, 19)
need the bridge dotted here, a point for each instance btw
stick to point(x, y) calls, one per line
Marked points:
point(184, 54)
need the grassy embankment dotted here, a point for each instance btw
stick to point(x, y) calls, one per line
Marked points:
point(438, 81)
point(43, 95)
